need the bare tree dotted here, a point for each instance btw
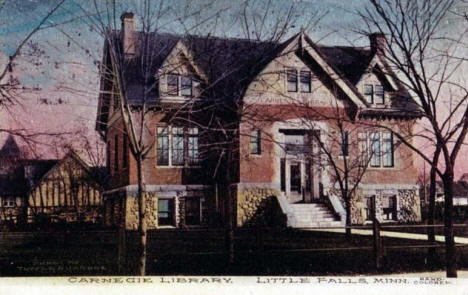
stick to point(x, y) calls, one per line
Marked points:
point(428, 61)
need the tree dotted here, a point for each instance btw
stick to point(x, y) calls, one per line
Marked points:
point(428, 61)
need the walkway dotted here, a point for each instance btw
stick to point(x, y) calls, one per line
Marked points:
point(391, 234)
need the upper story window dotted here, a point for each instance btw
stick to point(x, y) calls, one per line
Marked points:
point(345, 143)
point(177, 146)
point(9, 202)
point(376, 149)
point(179, 85)
point(374, 94)
point(303, 83)
point(291, 79)
point(256, 142)
point(305, 79)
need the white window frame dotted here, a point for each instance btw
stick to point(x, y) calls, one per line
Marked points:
point(382, 140)
point(8, 202)
point(179, 85)
point(186, 135)
point(373, 94)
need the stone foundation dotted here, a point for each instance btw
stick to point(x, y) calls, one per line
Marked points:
point(408, 205)
point(258, 206)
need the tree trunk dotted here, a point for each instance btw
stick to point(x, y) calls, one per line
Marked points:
point(431, 255)
point(142, 216)
point(450, 250)
point(348, 219)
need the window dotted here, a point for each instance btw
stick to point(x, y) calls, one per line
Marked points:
point(163, 146)
point(379, 94)
point(375, 149)
point(381, 149)
point(193, 149)
point(9, 202)
point(192, 211)
point(389, 208)
point(179, 85)
point(256, 142)
point(369, 93)
point(165, 212)
point(173, 84)
point(291, 78)
point(344, 143)
point(387, 149)
point(186, 86)
point(374, 94)
point(125, 151)
point(305, 79)
point(362, 147)
point(116, 153)
point(177, 146)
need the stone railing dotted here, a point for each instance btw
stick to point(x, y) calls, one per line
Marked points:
point(334, 202)
point(286, 208)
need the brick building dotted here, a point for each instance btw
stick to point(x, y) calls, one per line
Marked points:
point(239, 128)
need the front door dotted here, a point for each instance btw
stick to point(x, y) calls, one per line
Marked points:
point(296, 180)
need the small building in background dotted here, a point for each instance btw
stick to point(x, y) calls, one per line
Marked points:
point(47, 191)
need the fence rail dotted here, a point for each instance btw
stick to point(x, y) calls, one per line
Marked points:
point(118, 250)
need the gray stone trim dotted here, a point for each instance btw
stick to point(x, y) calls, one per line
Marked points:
point(255, 185)
point(130, 189)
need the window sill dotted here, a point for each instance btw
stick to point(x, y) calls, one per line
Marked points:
point(177, 167)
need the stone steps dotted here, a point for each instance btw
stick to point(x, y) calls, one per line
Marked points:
point(313, 215)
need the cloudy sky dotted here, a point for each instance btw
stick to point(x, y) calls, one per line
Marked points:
point(61, 70)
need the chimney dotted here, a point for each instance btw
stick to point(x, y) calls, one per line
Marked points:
point(378, 43)
point(128, 33)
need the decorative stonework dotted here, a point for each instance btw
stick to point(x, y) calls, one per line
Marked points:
point(132, 214)
point(258, 206)
point(409, 208)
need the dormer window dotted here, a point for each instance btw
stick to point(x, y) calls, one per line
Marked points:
point(178, 85)
point(374, 94)
point(305, 78)
point(291, 78)
point(301, 82)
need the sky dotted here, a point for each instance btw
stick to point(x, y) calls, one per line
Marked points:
point(61, 70)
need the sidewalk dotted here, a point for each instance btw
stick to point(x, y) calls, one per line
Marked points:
point(391, 234)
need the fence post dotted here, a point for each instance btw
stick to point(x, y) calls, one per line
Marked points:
point(230, 244)
point(377, 238)
point(122, 250)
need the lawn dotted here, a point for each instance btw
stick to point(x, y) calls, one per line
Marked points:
point(202, 252)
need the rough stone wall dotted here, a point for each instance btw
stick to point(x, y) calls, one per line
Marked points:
point(258, 206)
point(409, 207)
point(132, 215)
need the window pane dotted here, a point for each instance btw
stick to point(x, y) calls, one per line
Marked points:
point(255, 142)
point(362, 146)
point(173, 84)
point(163, 147)
point(186, 86)
point(193, 149)
point(305, 81)
point(369, 93)
point(379, 94)
point(291, 76)
point(375, 150)
point(165, 212)
point(192, 211)
point(387, 149)
point(177, 146)
point(344, 143)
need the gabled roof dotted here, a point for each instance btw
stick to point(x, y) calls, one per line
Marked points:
point(231, 64)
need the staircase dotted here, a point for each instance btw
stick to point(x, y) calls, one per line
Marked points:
point(313, 215)
point(308, 215)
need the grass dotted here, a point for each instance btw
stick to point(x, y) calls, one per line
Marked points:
point(285, 252)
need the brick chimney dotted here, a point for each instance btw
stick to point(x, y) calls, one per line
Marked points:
point(128, 33)
point(378, 43)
